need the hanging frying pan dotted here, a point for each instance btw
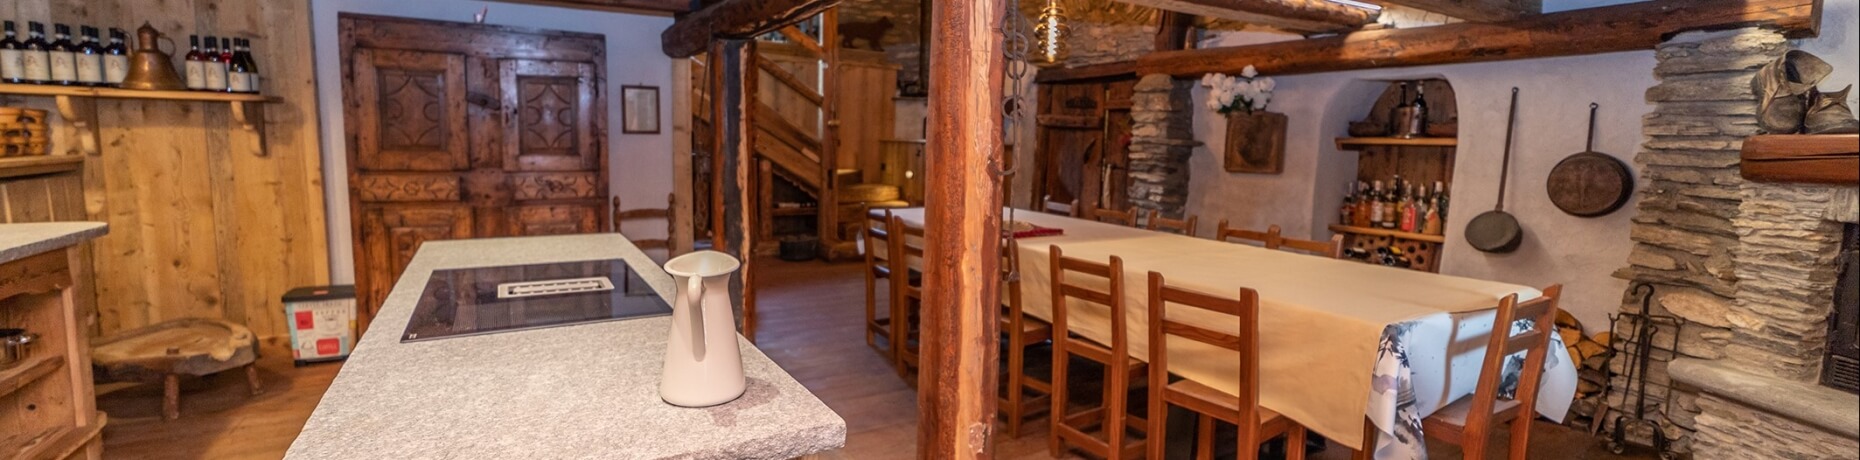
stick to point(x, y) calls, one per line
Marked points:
point(1590, 183)
point(1495, 230)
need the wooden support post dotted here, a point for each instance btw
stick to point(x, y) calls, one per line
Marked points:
point(1172, 30)
point(956, 383)
point(735, 165)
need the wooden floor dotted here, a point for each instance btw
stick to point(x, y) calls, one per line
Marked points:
point(811, 319)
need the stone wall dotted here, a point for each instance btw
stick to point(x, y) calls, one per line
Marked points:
point(1731, 431)
point(1161, 140)
point(1691, 194)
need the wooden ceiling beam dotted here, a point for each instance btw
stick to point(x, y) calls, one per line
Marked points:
point(1310, 16)
point(1473, 10)
point(655, 6)
point(734, 19)
point(1628, 27)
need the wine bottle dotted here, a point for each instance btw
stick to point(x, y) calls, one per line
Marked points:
point(1440, 200)
point(1417, 124)
point(12, 69)
point(1408, 209)
point(1376, 205)
point(1398, 113)
point(251, 64)
point(1347, 211)
point(238, 77)
point(116, 58)
point(63, 57)
point(89, 56)
point(215, 66)
point(196, 64)
point(36, 59)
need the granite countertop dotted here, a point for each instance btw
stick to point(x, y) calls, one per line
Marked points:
point(582, 391)
point(19, 241)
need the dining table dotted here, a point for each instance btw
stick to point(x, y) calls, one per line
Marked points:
point(1339, 340)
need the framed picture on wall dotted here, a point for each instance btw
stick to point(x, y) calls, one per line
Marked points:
point(639, 109)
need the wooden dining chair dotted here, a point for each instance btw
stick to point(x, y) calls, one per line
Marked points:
point(878, 267)
point(1049, 206)
point(1469, 422)
point(1223, 232)
point(907, 243)
point(1184, 227)
point(1121, 371)
point(1022, 395)
point(1256, 424)
point(1126, 217)
point(621, 216)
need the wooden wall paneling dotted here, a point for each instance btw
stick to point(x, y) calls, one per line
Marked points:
point(682, 187)
point(866, 110)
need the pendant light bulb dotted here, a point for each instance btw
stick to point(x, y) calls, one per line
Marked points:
point(1050, 32)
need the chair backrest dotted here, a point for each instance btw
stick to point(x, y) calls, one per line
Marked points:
point(876, 234)
point(1067, 273)
point(1126, 217)
point(1223, 232)
point(1245, 312)
point(1010, 282)
point(1049, 206)
point(622, 215)
point(1534, 343)
point(907, 249)
point(1182, 226)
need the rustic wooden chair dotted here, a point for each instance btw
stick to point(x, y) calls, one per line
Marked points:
point(907, 247)
point(1185, 227)
point(621, 215)
point(1022, 331)
point(1256, 424)
point(1223, 232)
point(878, 267)
point(1468, 422)
point(1121, 371)
point(1049, 206)
point(1126, 218)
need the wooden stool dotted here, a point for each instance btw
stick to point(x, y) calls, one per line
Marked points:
point(166, 351)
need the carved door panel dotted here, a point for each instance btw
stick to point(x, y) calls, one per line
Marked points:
point(452, 137)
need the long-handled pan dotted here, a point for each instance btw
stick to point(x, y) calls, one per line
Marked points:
point(1497, 231)
point(1590, 183)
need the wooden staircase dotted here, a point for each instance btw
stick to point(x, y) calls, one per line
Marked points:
point(796, 127)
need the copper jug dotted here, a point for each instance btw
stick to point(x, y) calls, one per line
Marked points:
point(150, 68)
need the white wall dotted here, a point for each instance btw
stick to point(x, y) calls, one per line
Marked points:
point(640, 164)
point(1578, 252)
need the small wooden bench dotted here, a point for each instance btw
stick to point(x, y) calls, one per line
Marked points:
point(166, 351)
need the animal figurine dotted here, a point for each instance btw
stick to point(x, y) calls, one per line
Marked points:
point(872, 32)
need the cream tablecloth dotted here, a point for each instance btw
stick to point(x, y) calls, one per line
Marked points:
point(1321, 321)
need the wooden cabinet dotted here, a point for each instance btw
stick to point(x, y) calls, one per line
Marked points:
point(47, 404)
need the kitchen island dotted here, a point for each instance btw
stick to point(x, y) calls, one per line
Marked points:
point(579, 391)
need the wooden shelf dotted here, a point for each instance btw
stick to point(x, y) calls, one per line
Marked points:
point(1389, 233)
point(1357, 143)
point(25, 373)
point(1809, 158)
point(42, 164)
point(115, 93)
point(63, 442)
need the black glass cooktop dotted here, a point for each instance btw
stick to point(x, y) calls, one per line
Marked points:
point(488, 300)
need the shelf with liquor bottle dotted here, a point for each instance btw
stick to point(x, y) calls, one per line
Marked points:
point(66, 67)
point(1395, 209)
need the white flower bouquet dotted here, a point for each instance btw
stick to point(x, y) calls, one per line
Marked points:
point(1248, 93)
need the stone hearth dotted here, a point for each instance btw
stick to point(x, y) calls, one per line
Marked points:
point(1750, 266)
point(1161, 140)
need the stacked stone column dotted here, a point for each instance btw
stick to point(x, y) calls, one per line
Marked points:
point(1161, 139)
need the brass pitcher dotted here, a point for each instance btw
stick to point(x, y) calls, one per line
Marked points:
point(150, 68)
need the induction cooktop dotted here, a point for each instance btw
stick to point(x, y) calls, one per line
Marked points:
point(488, 300)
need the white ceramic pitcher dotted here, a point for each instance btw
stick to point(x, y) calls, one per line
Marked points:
point(703, 366)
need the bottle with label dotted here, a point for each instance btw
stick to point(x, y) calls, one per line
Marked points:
point(238, 76)
point(63, 57)
point(215, 66)
point(12, 69)
point(89, 56)
point(196, 64)
point(1346, 212)
point(1409, 208)
point(1440, 200)
point(1398, 115)
point(251, 63)
point(1376, 204)
point(1417, 124)
point(1360, 215)
point(36, 59)
point(116, 58)
point(1430, 222)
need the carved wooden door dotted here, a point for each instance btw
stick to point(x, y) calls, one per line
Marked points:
point(466, 131)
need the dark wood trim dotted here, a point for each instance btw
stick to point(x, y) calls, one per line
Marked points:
point(1109, 70)
point(1172, 30)
point(1633, 26)
point(734, 19)
point(956, 381)
point(1819, 159)
point(619, 6)
point(1292, 15)
point(1474, 10)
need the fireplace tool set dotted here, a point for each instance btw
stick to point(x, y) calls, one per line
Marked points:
point(1639, 346)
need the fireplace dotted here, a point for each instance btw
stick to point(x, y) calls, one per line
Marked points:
point(1841, 370)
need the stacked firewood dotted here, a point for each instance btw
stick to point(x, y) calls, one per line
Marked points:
point(1591, 355)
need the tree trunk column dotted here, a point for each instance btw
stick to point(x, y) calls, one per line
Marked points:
point(956, 384)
